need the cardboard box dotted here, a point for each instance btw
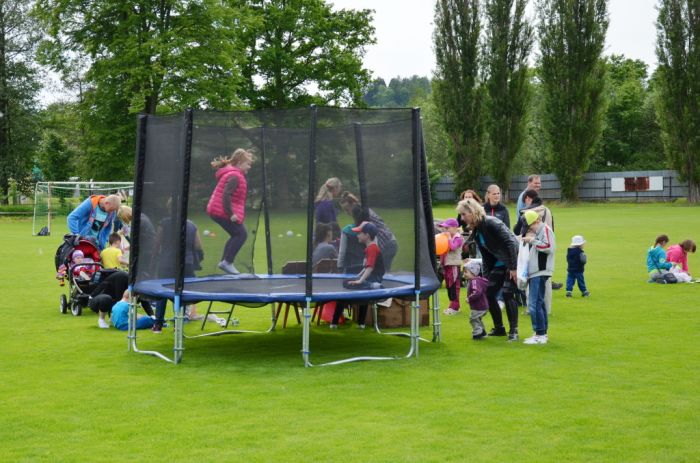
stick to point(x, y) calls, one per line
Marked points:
point(395, 315)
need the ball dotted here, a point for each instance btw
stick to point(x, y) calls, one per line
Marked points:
point(206, 232)
point(442, 244)
point(290, 233)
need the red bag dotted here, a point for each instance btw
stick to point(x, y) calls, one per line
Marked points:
point(327, 312)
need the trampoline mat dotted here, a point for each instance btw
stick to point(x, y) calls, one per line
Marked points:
point(273, 288)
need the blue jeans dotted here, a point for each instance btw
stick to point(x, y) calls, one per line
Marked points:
point(142, 323)
point(535, 304)
point(578, 277)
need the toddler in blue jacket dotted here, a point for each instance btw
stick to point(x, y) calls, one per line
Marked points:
point(576, 261)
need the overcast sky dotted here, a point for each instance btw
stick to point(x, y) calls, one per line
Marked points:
point(404, 34)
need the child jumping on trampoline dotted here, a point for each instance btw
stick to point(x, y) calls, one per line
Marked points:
point(227, 203)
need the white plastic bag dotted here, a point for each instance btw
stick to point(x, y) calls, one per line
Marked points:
point(521, 269)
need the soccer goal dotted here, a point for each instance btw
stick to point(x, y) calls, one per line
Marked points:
point(53, 199)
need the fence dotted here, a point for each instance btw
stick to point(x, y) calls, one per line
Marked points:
point(639, 185)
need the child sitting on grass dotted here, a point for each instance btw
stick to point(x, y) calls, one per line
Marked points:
point(112, 256)
point(120, 315)
point(476, 296)
point(576, 261)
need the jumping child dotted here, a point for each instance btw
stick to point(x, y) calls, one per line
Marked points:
point(227, 203)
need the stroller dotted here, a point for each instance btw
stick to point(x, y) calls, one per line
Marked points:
point(83, 277)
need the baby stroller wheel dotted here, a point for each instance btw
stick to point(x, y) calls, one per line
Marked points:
point(76, 309)
point(63, 304)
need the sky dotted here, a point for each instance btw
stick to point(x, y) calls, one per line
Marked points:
point(404, 34)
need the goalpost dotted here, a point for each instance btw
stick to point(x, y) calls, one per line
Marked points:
point(52, 199)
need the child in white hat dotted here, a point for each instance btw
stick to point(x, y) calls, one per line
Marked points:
point(576, 262)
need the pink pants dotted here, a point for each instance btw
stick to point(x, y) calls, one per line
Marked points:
point(452, 283)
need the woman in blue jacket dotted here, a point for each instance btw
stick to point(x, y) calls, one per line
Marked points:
point(93, 218)
point(656, 259)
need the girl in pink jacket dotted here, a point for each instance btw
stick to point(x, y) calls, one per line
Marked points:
point(227, 203)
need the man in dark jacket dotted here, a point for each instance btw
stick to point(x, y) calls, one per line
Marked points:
point(499, 252)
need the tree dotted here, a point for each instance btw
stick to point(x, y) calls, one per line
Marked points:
point(572, 37)
point(56, 160)
point(508, 45)
point(678, 87)
point(398, 94)
point(18, 90)
point(142, 56)
point(627, 136)
point(456, 87)
point(296, 46)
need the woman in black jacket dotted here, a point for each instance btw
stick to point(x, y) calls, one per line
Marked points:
point(493, 206)
point(499, 253)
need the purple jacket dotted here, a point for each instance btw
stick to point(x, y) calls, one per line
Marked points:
point(476, 294)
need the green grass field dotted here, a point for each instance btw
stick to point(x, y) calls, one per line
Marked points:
point(617, 382)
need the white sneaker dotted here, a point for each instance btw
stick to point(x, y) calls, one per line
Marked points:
point(333, 327)
point(536, 339)
point(502, 305)
point(228, 268)
point(360, 327)
point(450, 311)
point(102, 323)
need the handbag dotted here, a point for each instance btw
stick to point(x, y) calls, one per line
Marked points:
point(522, 264)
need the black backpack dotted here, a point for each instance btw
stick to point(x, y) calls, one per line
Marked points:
point(44, 232)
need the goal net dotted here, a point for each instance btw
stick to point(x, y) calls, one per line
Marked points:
point(54, 200)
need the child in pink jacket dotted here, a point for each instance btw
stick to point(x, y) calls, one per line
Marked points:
point(452, 264)
point(227, 203)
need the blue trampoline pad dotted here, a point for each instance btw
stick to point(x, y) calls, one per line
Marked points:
point(284, 288)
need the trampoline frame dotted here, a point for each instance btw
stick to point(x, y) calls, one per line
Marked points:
point(421, 191)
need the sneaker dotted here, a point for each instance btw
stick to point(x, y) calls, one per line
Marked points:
point(556, 285)
point(586, 294)
point(513, 336)
point(450, 311)
point(498, 331)
point(102, 323)
point(157, 328)
point(360, 327)
point(479, 336)
point(568, 294)
point(502, 305)
point(536, 339)
point(228, 268)
point(333, 327)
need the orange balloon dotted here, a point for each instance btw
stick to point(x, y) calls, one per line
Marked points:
point(442, 244)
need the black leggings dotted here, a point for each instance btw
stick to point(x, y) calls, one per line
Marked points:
point(500, 279)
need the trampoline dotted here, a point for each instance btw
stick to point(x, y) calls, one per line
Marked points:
point(377, 154)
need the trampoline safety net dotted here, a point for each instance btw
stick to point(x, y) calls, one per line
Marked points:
point(377, 156)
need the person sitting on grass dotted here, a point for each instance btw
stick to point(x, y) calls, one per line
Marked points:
point(657, 265)
point(112, 256)
point(678, 254)
point(476, 296)
point(371, 275)
point(120, 315)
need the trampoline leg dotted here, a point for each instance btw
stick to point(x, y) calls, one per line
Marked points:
point(415, 323)
point(131, 326)
point(436, 318)
point(306, 328)
point(178, 331)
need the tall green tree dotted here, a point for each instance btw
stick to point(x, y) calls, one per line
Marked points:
point(572, 37)
point(508, 44)
point(457, 90)
point(678, 87)
point(627, 136)
point(56, 160)
point(300, 52)
point(19, 88)
point(398, 94)
point(142, 55)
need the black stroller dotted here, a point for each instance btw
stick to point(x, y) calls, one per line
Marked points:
point(82, 277)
